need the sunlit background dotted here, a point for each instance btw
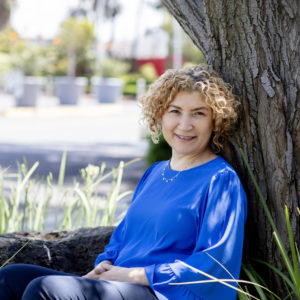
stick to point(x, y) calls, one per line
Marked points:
point(50, 16)
point(71, 72)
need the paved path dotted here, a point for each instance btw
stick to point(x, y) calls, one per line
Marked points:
point(90, 133)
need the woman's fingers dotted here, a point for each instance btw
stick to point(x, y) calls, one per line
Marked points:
point(102, 267)
point(99, 269)
point(107, 266)
point(91, 275)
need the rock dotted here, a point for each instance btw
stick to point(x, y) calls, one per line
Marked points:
point(68, 251)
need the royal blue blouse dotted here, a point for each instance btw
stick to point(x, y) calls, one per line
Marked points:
point(184, 229)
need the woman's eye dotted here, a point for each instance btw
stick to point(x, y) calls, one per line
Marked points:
point(199, 113)
point(175, 111)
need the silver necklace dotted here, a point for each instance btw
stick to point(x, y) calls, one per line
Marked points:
point(169, 179)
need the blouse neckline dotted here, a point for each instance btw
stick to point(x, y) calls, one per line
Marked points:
point(193, 168)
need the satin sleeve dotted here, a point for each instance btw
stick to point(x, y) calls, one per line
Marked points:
point(218, 250)
point(111, 251)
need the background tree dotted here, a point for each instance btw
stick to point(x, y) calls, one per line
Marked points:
point(75, 39)
point(255, 45)
point(103, 10)
point(190, 52)
point(16, 53)
point(5, 9)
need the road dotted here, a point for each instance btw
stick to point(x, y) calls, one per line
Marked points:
point(91, 133)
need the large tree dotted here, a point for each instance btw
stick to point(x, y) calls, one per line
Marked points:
point(5, 9)
point(255, 45)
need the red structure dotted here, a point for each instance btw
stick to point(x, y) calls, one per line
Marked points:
point(158, 63)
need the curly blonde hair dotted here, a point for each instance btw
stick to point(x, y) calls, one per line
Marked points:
point(218, 96)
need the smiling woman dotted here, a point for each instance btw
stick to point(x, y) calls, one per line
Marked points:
point(213, 90)
point(187, 127)
point(187, 213)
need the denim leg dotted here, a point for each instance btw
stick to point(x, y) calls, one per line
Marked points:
point(77, 288)
point(64, 287)
point(15, 278)
point(30, 282)
point(133, 291)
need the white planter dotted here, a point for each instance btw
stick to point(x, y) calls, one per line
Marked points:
point(26, 94)
point(70, 89)
point(107, 90)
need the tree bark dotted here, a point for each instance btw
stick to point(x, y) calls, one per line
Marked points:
point(255, 46)
point(71, 251)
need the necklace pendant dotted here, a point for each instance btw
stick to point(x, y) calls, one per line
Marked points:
point(168, 179)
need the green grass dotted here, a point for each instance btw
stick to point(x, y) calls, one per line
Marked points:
point(25, 205)
point(290, 275)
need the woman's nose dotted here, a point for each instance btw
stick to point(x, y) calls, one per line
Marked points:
point(185, 123)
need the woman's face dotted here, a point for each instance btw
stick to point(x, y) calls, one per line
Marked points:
point(187, 125)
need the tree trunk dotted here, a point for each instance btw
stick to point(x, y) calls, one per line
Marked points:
point(255, 46)
point(4, 13)
point(71, 63)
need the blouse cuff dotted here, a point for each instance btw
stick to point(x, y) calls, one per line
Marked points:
point(108, 255)
point(158, 275)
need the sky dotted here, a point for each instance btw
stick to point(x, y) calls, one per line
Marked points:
point(41, 18)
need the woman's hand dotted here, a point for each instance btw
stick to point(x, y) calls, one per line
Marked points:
point(106, 271)
point(134, 275)
point(100, 268)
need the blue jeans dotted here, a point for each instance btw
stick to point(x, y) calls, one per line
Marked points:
point(30, 282)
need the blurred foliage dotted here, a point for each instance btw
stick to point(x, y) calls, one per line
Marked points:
point(190, 51)
point(113, 67)
point(75, 41)
point(50, 58)
point(31, 59)
point(111, 8)
point(130, 89)
point(148, 72)
point(85, 63)
point(4, 62)
point(76, 35)
point(157, 152)
point(8, 37)
point(130, 80)
point(60, 66)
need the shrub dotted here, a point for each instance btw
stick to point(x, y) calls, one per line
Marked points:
point(157, 152)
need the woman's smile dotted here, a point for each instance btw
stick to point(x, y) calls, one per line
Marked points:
point(187, 126)
point(185, 138)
